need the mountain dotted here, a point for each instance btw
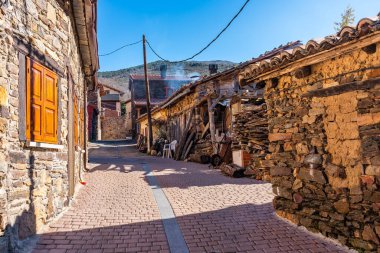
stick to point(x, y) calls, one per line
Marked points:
point(119, 79)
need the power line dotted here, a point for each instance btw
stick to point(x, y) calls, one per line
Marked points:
point(192, 57)
point(208, 45)
point(120, 48)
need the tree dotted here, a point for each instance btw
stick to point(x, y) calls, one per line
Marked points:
point(347, 18)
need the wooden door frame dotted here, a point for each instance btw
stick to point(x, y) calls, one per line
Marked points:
point(70, 138)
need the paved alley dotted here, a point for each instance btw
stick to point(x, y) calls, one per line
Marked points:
point(130, 199)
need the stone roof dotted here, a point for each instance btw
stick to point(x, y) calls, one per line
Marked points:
point(348, 34)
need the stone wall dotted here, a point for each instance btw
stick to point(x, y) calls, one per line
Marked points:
point(33, 181)
point(324, 133)
point(129, 116)
point(115, 128)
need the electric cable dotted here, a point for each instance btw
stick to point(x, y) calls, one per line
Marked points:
point(209, 44)
point(120, 48)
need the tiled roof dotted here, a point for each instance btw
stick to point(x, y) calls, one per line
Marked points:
point(158, 77)
point(240, 66)
point(177, 94)
point(364, 27)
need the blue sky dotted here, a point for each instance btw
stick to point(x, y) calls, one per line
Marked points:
point(179, 28)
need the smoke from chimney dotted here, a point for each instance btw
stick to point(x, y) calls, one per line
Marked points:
point(163, 70)
point(213, 68)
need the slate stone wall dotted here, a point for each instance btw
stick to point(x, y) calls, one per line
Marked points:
point(324, 133)
point(33, 181)
point(115, 127)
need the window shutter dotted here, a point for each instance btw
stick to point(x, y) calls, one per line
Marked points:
point(28, 103)
point(35, 101)
point(41, 104)
point(50, 107)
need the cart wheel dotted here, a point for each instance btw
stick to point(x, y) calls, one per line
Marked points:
point(216, 160)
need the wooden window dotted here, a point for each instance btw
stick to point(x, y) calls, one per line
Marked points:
point(41, 104)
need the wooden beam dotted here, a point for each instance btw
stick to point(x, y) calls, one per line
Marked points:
point(186, 147)
point(188, 150)
point(182, 142)
point(215, 103)
point(211, 120)
point(205, 130)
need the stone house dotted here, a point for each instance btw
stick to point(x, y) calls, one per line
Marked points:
point(323, 122)
point(158, 115)
point(322, 128)
point(111, 105)
point(161, 87)
point(115, 111)
point(48, 60)
point(217, 97)
point(111, 101)
point(189, 105)
point(128, 114)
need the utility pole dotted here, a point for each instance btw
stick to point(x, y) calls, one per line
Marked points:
point(147, 92)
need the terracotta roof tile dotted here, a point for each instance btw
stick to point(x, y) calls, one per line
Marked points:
point(364, 26)
point(112, 88)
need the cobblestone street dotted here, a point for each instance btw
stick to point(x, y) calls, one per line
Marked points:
point(121, 210)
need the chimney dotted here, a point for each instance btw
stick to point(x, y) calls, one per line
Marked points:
point(163, 69)
point(213, 68)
